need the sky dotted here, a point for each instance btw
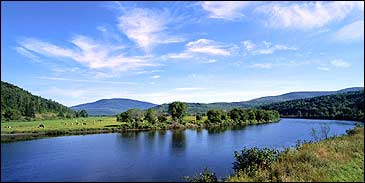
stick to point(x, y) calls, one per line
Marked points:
point(159, 52)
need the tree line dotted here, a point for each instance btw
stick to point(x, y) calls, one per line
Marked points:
point(152, 118)
point(345, 106)
point(18, 104)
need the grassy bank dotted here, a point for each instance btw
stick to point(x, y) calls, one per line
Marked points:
point(334, 159)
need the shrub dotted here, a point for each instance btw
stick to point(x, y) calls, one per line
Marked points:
point(250, 160)
point(205, 176)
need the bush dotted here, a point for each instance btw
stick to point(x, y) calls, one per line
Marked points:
point(205, 176)
point(250, 160)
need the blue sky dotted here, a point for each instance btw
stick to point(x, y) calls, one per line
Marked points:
point(78, 52)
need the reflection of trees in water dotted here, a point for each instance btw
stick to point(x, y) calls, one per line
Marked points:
point(178, 139)
point(213, 130)
point(129, 135)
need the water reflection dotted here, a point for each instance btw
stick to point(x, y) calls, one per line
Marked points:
point(178, 140)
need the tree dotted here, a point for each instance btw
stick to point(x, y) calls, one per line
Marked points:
point(131, 116)
point(177, 110)
point(83, 114)
point(216, 116)
point(151, 116)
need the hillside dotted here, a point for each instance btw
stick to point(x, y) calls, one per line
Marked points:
point(112, 106)
point(17, 104)
point(203, 108)
point(348, 106)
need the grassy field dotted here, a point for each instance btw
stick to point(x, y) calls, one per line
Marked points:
point(67, 124)
point(338, 159)
point(59, 124)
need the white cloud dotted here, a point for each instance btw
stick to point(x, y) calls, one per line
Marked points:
point(188, 89)
point(262, 66)
point(27, 54)
point(340, 63)
point(305, 15)
point(155, 77)
point(203, 46)
point(265, 47)
point(352, 31)
point(87, 81)
point(211, 61)
point(248, 45)
point(228, 10)
point(207, 46)
point(323, 68)
point(90, 53)
point(147, 28)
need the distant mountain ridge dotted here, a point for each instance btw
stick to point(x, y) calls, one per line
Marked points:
point(203, 108)
point(112, 106)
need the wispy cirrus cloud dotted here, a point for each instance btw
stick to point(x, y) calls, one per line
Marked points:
point(340, 63)
point(307, 15)
point(228, 10)
point(205, 47)
point(265, 47)
point(148, 28)
point(90, 53)
point(323, 68)
point(86, 81)
point(27, 54)
point(262, 66)
point(352, 31)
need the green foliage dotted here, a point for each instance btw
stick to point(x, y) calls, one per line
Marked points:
point(18, 104)
point(131, 116)
point(242, 116)
point(250, 160)
point(151, 116)
point(346, 106)
point(205, 176)
point(177, 110)
point(217, 116)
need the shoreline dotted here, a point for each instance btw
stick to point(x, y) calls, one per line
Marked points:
point(14, 137)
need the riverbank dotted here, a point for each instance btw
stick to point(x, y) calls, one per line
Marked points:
point(19, 131)
point(335, 159)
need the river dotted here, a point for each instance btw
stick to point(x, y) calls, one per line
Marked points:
point(149, 155)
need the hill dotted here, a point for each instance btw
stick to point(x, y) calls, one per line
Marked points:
point(112, 106)
point(348, 106)
point(203, 107)
point(17, 104)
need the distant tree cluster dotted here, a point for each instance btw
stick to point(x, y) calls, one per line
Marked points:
point(241, 116)
point(136, 118)
point(347, 106)
point(18, 104)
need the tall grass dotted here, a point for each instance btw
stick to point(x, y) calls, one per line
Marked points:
point(333, 159)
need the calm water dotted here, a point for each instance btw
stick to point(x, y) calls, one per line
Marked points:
point(148, 156)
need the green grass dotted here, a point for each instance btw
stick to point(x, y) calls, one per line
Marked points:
point(59, 124)
point(69, 124)
point(334, 159)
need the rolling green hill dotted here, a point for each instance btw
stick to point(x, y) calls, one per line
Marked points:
point(348, 106)
point(18, 104)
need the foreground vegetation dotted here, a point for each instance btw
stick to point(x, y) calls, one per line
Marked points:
point(335, 159)
point(345, 106)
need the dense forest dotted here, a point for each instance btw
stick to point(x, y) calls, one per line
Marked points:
point(18, 104)
point(347, 106)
